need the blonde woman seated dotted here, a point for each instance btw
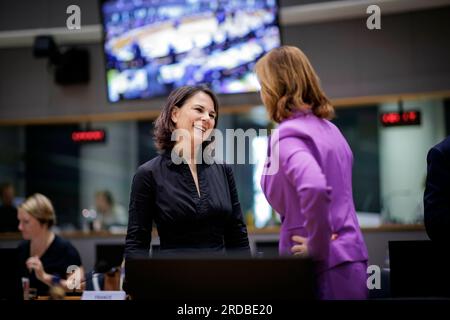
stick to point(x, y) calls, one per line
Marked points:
point(45, 258)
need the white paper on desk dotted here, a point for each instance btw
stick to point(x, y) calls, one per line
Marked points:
point(103, 295)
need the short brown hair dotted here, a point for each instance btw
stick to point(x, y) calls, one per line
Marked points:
point(41, 208)
point(164, 126)
point(288, 81)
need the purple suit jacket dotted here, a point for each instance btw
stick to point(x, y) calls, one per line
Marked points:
point(312, 190)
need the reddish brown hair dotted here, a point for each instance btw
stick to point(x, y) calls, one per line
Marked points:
point(289, 83)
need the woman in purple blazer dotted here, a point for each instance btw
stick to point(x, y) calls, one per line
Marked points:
point(308, 176)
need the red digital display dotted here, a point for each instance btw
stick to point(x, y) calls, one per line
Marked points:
point(89, 136)
point(405, 118)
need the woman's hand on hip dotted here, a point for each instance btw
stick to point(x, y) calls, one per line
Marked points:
point(300, 249)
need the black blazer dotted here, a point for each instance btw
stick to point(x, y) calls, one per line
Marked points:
point(437, 192)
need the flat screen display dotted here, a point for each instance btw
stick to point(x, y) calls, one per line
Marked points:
point(154, 46)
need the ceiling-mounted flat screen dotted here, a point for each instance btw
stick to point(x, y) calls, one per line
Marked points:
point(154, 46)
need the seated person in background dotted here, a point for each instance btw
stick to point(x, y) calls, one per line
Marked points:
point(437, 192)
point(8, 212)
point(109, 214)
point(44, 256)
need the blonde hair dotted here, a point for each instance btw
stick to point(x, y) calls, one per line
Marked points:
point(41, 208)
point(289, 83)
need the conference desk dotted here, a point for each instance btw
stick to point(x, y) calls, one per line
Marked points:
point(261, 240)
point(69, 298)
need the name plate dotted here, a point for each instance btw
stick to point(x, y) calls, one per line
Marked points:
point(103, 295)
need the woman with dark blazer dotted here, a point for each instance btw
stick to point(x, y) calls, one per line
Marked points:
point(193, 202)
point(437, 192)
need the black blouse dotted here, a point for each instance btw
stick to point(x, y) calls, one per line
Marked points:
point(165, 192)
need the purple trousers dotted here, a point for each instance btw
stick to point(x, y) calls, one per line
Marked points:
point(346, 281)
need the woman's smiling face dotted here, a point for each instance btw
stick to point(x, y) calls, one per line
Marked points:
point(196, 116)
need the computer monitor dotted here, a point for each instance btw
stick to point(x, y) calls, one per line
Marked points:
point(220, 279)
point(108, 256)
point(419, 269)
point(11, 286)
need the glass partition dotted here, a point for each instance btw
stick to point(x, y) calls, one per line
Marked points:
point(43, 158)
